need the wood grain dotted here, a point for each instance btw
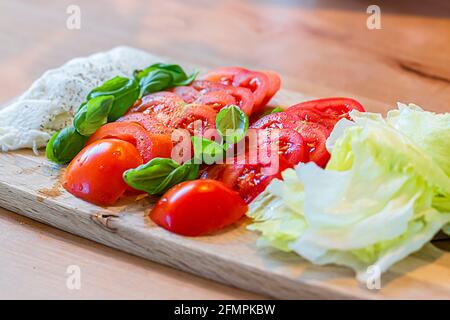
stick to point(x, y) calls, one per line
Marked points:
point(322, 48)
point(30, 185)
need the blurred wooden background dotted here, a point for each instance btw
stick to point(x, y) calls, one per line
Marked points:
point(321, 48)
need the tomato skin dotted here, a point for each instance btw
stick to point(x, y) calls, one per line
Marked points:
point(337, 108)
point(149, 145)
point(95, 174)
point(198, 207)
point(274, 85)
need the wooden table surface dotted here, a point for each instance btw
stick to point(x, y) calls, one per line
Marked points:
point(320, 47)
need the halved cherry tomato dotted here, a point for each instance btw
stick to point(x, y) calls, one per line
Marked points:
point(331, 107)
point(149, 145)
point(198, 207)
point(95, 174)
point(306, 123)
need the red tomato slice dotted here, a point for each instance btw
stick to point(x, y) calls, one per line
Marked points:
point(288, 143)
point(306, 124)
point(257, 82)
point(274, 85)
point(190, 117)
point(243, 97)
point(223, 75)
point(249, 179)
point(148, 121)
point(95, 174)
point(163, 101)
point(149, 145)
point(198, 207)
point(331, 107)
point(216, 99)
point(187, 93)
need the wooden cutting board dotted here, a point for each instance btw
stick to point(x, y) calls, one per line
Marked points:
point(30, 185)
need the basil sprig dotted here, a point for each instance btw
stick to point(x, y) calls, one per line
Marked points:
point(160, 76)
point(207, 151)
point(125, 92)
point(232, 124)
point(159, 175)
point(64, 145)
point(93, 114)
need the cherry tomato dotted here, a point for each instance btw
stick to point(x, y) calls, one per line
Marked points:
point(149, 145)
point(331, 107)
point(148, 121)
point(198, 207)
point(95, 174)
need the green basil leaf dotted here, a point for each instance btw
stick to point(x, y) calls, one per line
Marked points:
point(64, 145)
point(207, 151)
point(160, 174)
point(154, 80)
point(160, 76)
point(125, 92)
point(232, 124)
point(274, 110)
point(93, 115)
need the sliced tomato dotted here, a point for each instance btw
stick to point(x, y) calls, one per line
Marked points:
point(249, 179)
point(160, 102)
point(149, 145)
point(257, 82)
point(216, 99)
point(274, 85)
point(148, 121)
point(329, 107)
point(223, 75)
point(287, 142)
point(195, 118)
point(95, 174)
point(188, 93)
point(198, 207)
point(243, 97)
point(307, 124)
